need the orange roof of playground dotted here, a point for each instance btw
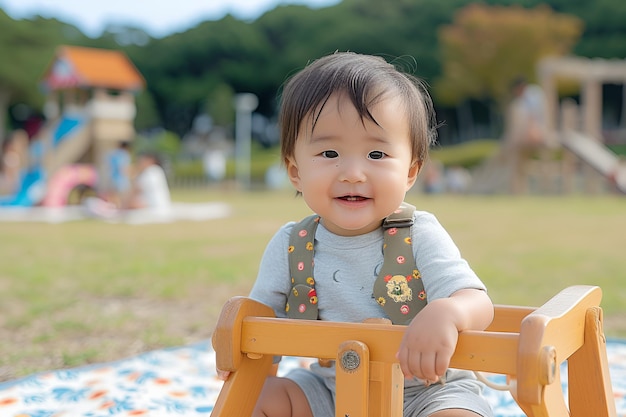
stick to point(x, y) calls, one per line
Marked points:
point(75, 66)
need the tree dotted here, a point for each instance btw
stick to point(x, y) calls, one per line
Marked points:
point(27, 48)
point(474, 55)
point(604, 20)
point(487, 47)
point(219, 105)
point(147, 115)
point(183, 69)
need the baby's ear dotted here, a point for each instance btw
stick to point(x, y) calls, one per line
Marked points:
point(413, 171)
point(293, 172)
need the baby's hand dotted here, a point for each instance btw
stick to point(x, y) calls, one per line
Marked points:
point(429, 343)
point(222, 375)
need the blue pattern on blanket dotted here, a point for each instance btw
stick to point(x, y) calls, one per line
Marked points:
point(181, 382)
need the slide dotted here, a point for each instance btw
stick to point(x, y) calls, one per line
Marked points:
point(31, 190)
point(68, 143)
point(63, 143)
point(598, 156)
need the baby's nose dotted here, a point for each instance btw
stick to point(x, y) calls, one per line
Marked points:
point(352, 170)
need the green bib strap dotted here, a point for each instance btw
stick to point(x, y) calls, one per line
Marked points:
point(399, 288)
point(302, 300)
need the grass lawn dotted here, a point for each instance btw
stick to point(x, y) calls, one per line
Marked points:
point(88, 291)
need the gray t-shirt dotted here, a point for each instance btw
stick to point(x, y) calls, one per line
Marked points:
point(346, 268)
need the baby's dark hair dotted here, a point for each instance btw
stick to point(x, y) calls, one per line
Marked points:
point(365, 80)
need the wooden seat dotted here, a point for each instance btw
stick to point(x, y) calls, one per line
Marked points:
point(526, 344)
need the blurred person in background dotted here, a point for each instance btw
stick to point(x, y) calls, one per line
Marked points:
point(13, 161)
point(149, 189)
point(117, 176)
point(525, 131)
point(148, 192)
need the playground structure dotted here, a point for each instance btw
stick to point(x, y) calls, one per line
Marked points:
point(526, 344)
point(579, 130)
point(89, 108)
point(574, 155)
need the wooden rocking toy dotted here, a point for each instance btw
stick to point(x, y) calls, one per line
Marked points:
point(526, 344)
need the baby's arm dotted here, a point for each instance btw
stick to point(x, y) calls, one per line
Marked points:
point(430, 340)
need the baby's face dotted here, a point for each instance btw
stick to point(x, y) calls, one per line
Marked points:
point(354, 172)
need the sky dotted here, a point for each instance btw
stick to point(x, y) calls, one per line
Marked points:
point(157, 17)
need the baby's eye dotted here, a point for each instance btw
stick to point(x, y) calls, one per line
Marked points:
point(330, 154)
point(376, 155)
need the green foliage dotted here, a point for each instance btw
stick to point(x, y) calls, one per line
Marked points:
point(147, 113)
point(219, 105)
point(185, 69)
point(261, 160)
point(618, 149)
point(182, 70)
point(167, 144)
point(467, 155)
point(486, 48)
point(27, 48)
point(187, 168)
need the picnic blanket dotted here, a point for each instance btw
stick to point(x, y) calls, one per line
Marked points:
point(181, 381)
point(178, 212)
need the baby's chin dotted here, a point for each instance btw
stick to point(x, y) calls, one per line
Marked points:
point(351, 227)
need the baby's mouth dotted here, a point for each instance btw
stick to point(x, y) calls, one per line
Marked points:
point(353, 198)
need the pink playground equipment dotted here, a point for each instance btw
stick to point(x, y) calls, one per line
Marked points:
point(90, 108)
point(69, 182)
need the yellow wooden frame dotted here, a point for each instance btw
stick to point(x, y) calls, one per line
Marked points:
point(526, 344)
